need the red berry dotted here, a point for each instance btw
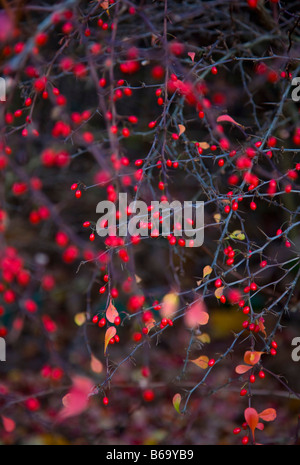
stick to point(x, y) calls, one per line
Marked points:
point(117, 320)
point(211, 362)
point(218, 282)
point(102, 323)
point(148, 395)
point(105, 400)
point(243, 392)
point(252, 379)
point(245, 440)
point(237, 430)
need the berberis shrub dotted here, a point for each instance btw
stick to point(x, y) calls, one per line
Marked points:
point(142, 339)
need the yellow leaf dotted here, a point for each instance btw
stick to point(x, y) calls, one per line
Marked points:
point(80, 318)
point(176, 402)
point(219, 292)
point(169, 305)
point(217, 217)
point(207, 270)
point(204, 338)
point(110, 332)
point(201, 361)
point(203, 145)
point(237, 235)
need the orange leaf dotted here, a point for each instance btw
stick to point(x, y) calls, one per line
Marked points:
point(241, 369)
point(252, 419)
point(150, 323)
point(201, 361)
point(111, 312)
point(96, 365)
point(252, 358)
point(110, 332)
point(207, 270)
point(268, 414)
point(181, 129)
point(196, 315)
point(262, 326)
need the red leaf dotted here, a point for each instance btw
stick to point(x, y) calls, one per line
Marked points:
point(252, 419)
point(76, 400)
point(8, 424)
point(111, 312)
point(196, 315)
point(228, 119)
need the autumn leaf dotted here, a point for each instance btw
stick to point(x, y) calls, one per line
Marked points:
point(181, 129)
point(191, 55)
point(262, 327)
point(228, 119)
point(96, 365)
point(252, 419)
point(203, 145)
point(196, 314)
point(150, 323)
point(201, 361)
point(80, 318)
point(238, 234)
point(252, 358)
point(217, 217)
point(268, 414)
point(110, 332)
point(76, 401)
point(8, 424)
point(219, 292)
point(204, 338)
point(176, 402)
point(111, 312)
point(241, 369)
point(207, 270)
point(169, 305)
